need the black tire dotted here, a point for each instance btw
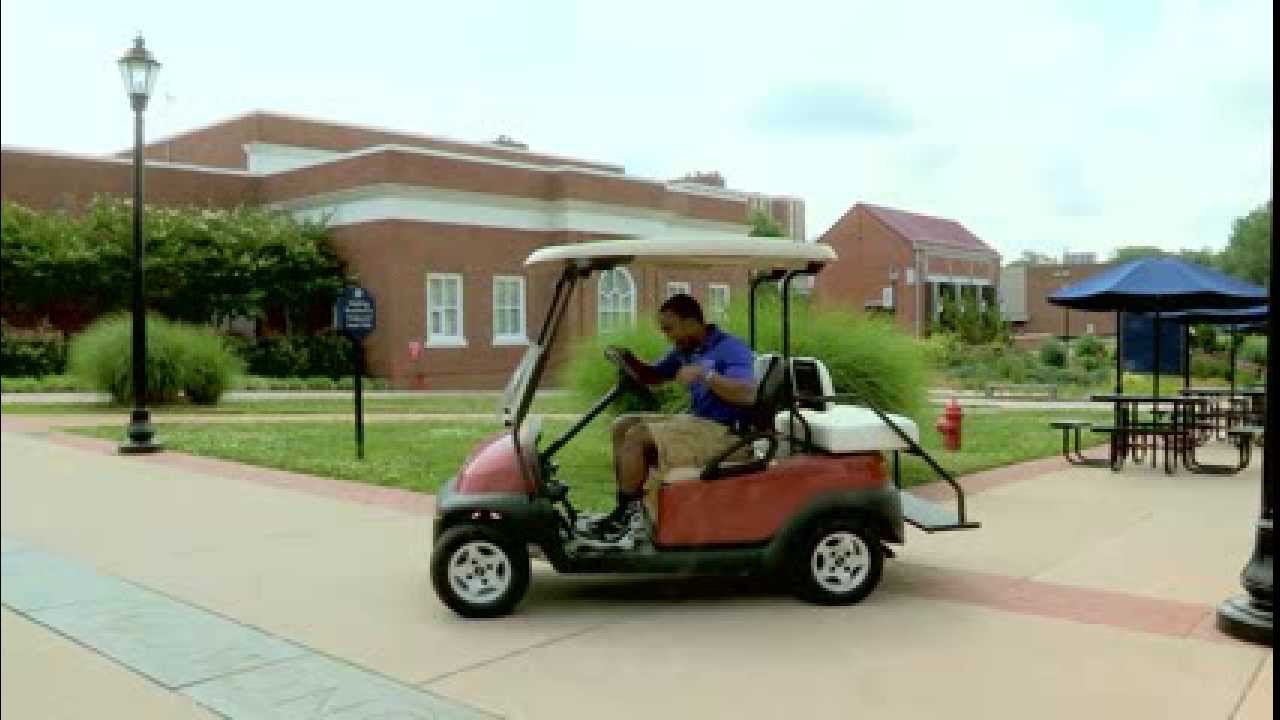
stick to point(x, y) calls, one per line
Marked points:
point(839, 541)
point(479, 571)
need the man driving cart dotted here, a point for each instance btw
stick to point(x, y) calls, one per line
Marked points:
point(718, 370)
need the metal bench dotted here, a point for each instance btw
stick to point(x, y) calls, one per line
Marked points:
point(1073, 454)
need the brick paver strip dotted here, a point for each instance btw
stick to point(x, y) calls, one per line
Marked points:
point(1000, 592)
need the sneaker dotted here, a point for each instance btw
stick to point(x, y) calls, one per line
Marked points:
point(620, 530)
point(602, 526)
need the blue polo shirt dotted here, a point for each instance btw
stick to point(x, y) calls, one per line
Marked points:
point(722, 353)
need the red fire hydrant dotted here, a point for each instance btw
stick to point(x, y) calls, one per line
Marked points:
point(949, 425)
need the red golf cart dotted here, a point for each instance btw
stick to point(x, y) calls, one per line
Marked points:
point(815, 502)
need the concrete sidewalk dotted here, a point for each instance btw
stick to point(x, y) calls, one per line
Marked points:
point(1085, 594)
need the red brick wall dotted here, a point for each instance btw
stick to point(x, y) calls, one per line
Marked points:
point(1042, 280)
point(392, 259)
point(221, 145)
point(48, 182)
point(866, 249)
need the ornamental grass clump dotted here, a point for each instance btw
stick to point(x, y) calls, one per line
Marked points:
point(181, 360)
point(867, 356)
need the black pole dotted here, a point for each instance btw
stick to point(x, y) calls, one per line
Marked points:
point(358, 348)
point(1186, 356)
point(140, 432)
point(1119, 351)
point(1248, 617)
point(1155, 331)
point(1232, 374)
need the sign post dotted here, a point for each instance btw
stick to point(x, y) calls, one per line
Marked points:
point(355, 315)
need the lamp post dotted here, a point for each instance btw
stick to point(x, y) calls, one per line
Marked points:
point(139, 69)
point(1249, 616)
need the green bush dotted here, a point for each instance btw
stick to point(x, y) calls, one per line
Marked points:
point(180, 359)
point(1091, 346)
point(31, 353)
point(1254, 350)
point(589, 375)
point(284, 356)
point(1204, 365)
point(866, 356)
point(1053, 354)
point(210, 365)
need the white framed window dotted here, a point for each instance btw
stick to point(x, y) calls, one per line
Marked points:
point(508, 310)
point(676, 287)
point(717, 301)
point(616, 301)
point(444, 310)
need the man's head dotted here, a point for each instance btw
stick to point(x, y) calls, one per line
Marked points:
point(680, 318)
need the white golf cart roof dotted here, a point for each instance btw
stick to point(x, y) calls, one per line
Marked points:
point(731, 250)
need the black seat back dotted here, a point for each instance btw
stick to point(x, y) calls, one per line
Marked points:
point(772, 393)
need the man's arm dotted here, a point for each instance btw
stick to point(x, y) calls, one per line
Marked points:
point(732, 390)
point(660, 372)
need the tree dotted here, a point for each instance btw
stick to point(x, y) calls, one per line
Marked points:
point(1248, 252)
point(1136, 252)
point(763, 225)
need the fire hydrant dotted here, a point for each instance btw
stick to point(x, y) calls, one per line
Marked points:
point(949, 425)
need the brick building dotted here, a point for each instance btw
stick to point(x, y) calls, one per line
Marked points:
point(437, 229)
point(1024, 289)
point(901, 263)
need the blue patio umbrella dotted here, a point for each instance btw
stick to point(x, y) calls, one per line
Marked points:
point(1158, 285)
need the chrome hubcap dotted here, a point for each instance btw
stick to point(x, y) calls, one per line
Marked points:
point(479, 572)
point(840, 562)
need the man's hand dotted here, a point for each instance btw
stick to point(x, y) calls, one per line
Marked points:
point(616, 354)
point(690, 374)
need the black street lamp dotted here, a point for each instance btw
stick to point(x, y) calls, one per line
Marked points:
point(139, 70)
point(1248, 616)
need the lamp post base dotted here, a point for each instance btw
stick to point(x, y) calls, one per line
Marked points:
point(141, 435)
point(1245, 618)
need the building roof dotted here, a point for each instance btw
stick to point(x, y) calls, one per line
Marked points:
point(927, 230)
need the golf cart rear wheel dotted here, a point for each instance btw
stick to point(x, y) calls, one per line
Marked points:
point(479, 571)
point(837, 563)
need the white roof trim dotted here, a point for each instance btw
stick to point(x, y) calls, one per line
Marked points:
point(741, 250)
point(705, 191)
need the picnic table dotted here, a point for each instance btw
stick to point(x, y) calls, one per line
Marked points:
point(1132, 437)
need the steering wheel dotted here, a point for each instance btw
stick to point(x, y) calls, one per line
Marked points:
point(628, 380)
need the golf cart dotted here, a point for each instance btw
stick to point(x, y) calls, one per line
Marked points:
point(805, 493)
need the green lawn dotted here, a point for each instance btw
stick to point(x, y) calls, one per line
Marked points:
point(426, 405)
point(423, 455)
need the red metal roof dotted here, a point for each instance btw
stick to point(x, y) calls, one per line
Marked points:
point(927, 230)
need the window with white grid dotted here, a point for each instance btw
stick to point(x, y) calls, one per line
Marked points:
point(444, 310)
point(616, 301)
point(508, 311)
point(717, 301)
point(675, 287)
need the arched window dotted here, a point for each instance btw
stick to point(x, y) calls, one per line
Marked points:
point(616, 301)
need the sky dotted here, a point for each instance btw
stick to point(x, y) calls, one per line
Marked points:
point(1083, 125)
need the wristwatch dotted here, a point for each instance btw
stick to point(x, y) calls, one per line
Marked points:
point(706, 376)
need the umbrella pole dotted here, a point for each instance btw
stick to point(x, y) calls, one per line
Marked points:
point(1156, 331)
point(1186, 356)
point(1119, 350)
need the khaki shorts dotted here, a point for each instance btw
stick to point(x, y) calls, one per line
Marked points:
point(685, 440)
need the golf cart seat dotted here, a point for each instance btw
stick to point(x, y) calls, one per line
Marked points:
point(751, 452)
point(837, 429)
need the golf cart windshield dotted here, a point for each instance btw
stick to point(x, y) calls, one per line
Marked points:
point(518, 385)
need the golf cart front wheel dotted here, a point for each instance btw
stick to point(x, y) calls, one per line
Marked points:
point(839, 562)
point(479, 571)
